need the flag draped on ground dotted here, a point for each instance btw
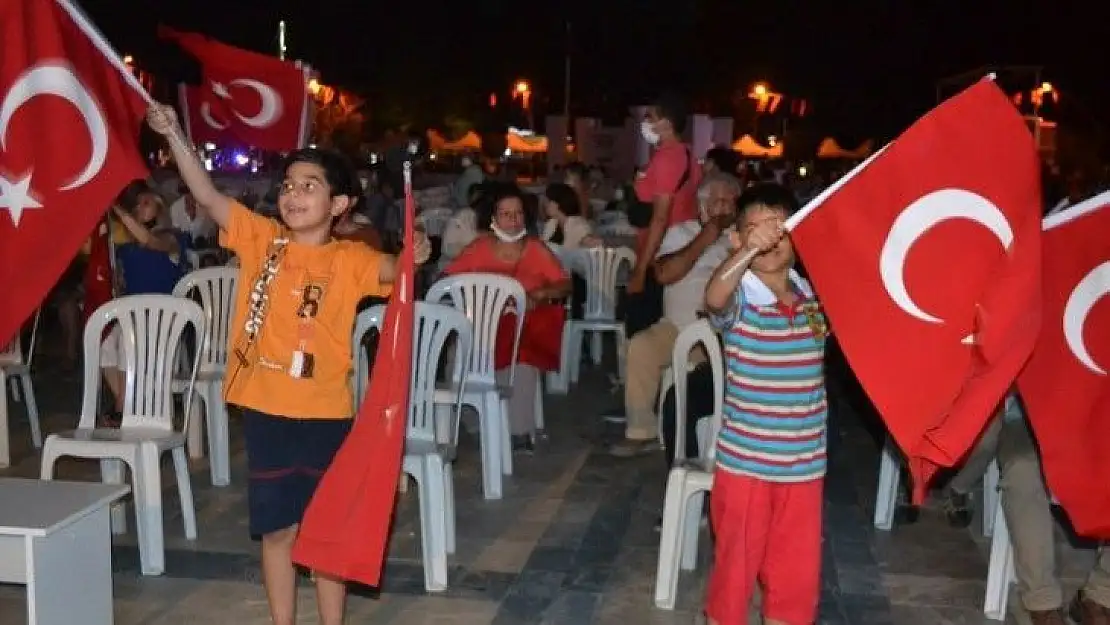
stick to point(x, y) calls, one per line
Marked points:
point(346, 527)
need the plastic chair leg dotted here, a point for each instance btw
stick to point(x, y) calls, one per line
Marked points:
point(886, 495)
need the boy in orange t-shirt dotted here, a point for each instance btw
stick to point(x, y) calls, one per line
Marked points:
point(289, 354)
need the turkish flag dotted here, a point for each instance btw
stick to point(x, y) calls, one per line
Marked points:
point(246, 98)
point(57, 88)
point(927, 259)
point(99, 277)
point(346, 527)
point(1064, 386)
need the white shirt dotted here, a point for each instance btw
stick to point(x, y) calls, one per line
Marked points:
point(200, 227)
point(683, 299)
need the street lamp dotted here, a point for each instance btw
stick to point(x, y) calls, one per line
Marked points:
point(523, 90)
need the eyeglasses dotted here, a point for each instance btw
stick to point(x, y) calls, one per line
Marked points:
point(289, 187)
point(310, 301)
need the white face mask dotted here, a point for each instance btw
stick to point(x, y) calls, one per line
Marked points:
point(505, 237)
point(648, 132)
point(466, 162)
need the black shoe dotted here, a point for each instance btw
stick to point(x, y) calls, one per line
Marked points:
point(957, 510)
point(522, 443)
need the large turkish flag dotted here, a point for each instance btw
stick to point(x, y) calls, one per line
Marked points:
point(345, 530)
point(927, 260)
point(1064, 386)
point(245, 98)
point(69, 126)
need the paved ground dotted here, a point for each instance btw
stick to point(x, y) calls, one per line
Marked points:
point(571, 543)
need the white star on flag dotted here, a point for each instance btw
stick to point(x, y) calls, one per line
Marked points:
point(220, 90)
point(16, 197)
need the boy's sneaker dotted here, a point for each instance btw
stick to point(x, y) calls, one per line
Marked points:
point(1086, 612)
point(629, 448)
point(957, 509)
point(1048, 617)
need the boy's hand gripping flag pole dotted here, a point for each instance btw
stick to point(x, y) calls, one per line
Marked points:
point(346, 527)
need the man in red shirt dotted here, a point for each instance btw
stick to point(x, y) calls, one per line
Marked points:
point(669, 183)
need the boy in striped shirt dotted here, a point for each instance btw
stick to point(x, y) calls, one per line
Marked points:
point(770, 458)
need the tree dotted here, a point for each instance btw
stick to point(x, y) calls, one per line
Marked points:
point(339, 119)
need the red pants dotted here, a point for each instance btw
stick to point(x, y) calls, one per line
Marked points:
point(770, 532)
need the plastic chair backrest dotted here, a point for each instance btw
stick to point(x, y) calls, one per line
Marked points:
point(601, 267)
point(434, 326)
point(484, 298)
point(151, 327)
point(216, 288)
point(13, 353)
point(699, 332)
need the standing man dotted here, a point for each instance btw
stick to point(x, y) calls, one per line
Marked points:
point(668, 188)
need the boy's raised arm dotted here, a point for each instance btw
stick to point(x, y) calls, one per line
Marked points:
point(163, 120)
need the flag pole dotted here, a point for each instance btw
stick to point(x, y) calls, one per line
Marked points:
point(85, 24)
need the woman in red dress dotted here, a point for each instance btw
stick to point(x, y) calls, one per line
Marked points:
point(509, 250)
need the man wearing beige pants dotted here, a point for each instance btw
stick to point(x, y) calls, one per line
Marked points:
point(1026, 504)
point(689, 253)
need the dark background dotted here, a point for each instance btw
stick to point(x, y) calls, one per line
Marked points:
point(867, 68)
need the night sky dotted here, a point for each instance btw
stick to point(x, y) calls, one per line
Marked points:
point(866, 67)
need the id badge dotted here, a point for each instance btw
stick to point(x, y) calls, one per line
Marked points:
point(302, 365)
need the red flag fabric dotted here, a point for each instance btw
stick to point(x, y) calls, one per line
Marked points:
point(99, 278)
point(56, 89)
point(1064, 386)
point(927, 260)
point(346, 527)
point(246, 98)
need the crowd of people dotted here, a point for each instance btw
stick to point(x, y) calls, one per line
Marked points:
point(709, 243)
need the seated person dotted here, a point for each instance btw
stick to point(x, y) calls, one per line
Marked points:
point(152, 262)
point(509, 251)
point(565, 225)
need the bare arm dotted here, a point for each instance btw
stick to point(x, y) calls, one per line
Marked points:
point(162, 242)
point(673, 267)
point(660, 216)
point(163, 120)
point(719, 293)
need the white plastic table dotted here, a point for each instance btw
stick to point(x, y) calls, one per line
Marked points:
point(56, 539)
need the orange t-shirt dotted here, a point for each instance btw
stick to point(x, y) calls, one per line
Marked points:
point(341, 273)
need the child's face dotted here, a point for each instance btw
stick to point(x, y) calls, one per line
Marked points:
point(306, 202)
point(778, 258)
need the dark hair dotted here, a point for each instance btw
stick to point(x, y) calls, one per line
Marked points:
point(671, 107)
point(339, 172)
point(565, 197)
point(725, 159)
point(767, 194)
point(128, 198)
point(575, 169)
point(493, 195)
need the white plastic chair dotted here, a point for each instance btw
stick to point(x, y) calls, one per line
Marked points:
point(601, 267)
point(151, 327)
point(890, 476)
point(215, 287)
point(484, 298)
point(15, 364)
point(431, 436)
point(688, 481)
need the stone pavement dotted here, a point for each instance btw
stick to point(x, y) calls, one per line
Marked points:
point(572, 542)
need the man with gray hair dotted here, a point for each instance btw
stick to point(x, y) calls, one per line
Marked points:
point(688, 254)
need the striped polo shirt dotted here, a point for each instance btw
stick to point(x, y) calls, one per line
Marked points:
point(775, 411)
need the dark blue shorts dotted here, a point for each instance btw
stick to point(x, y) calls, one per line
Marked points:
point(286, 459)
